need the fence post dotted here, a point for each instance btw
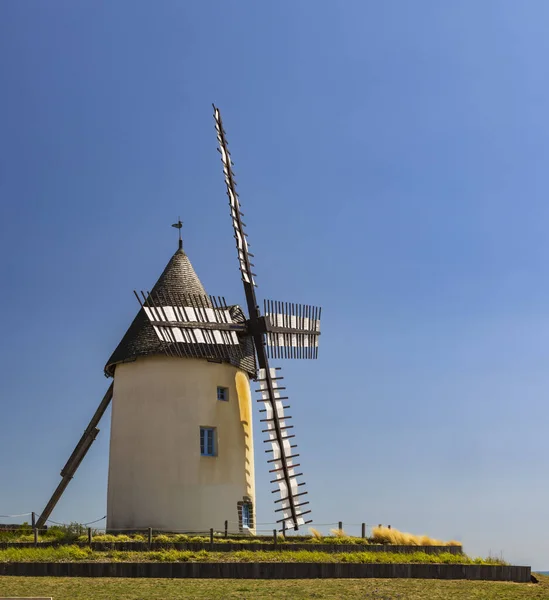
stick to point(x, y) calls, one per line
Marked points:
point(211, 538)
point(388, 527)
point(284, 529)
point(150, 537)
point(275, 538)
point(363, 530)
point(33, 519)
point(340, 526)
point(89, 535)
point(226, 529)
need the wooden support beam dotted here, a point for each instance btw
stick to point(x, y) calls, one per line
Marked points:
point(68, 471)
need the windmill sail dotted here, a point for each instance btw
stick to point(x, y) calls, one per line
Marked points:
point(283, 465)
point(192, 324)
point(292, 329)
point(239, 233)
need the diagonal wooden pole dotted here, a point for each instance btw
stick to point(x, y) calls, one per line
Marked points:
point(68, 471)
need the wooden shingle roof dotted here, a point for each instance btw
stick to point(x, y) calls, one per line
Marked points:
point(178, 278)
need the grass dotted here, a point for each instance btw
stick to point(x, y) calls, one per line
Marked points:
point(338, 537)
point(56, 533)
point(78, 553)
point(64, 588)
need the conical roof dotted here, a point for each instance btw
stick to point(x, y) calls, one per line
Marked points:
point(178, 278)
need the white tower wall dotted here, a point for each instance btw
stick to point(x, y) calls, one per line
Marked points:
point(157, 476)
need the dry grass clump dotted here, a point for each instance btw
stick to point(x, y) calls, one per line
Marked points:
point(317, 535)
point(384, 535)
point(339, 533)
point(404, 539)
point(429, 541)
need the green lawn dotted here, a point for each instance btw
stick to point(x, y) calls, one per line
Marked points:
point(319, 589)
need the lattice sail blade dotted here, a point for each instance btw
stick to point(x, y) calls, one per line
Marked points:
point(282, 463)
point(292, 329)
point(193, 325)
point(234, 202)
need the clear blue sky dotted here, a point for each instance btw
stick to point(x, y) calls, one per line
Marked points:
point(392, 164)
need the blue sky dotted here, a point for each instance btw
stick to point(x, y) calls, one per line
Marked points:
point(391, 159)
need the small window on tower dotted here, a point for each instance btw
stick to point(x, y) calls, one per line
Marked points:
point(223, 393)
point(245, 514)
point(207, 441)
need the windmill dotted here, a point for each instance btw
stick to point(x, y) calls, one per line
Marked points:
point(180, 345)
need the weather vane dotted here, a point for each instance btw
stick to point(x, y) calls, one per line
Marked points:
point(179, 225)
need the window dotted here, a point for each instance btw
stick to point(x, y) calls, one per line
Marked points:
point(207, 441)
point(246, 513)
point(223, 393)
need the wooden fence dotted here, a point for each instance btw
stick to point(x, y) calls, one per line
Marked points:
point(269, 570)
